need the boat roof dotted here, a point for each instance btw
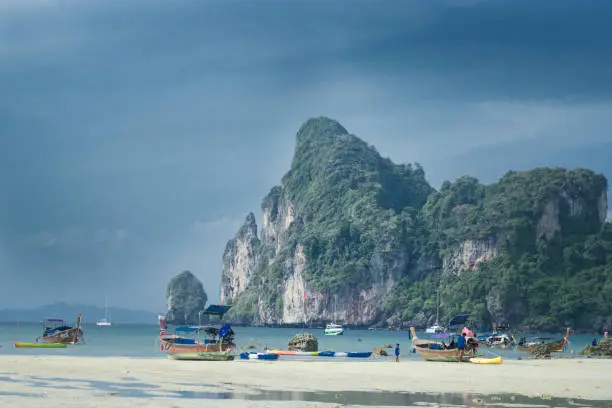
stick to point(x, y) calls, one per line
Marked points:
point(54, 320)
point(186, 329)
point(216, 310)
point(459, 319)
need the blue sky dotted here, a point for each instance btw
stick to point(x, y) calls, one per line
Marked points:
point(135, 136)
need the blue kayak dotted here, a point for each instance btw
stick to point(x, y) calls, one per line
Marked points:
point(359, 354)
point(258, 356)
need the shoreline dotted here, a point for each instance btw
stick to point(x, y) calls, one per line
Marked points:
point(586, 379)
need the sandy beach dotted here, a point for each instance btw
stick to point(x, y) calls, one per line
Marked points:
point(126, 382)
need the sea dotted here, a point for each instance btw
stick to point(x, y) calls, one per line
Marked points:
point(141, 341)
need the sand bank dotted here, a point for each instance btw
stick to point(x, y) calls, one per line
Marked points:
point(119, 382)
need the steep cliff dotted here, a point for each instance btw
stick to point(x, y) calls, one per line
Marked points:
point(186, 298)
point(335, 226)
point(350, 236)
point(239, 260)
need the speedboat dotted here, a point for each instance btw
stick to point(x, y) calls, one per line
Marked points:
point(333, 329)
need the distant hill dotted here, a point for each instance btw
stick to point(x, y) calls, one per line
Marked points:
point(69, 311)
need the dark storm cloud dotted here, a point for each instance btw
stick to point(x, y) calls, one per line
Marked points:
point(135, 136)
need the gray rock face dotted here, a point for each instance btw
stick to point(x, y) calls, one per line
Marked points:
point(303, 342)
point(186, 298)
point(239, 260)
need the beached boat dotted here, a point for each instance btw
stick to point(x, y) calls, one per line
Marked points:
point(20, 344)
point(186, 339)
point(203, 356)
point(59, 331)
point(258, 356)
point(436, 351)
point(527, 345)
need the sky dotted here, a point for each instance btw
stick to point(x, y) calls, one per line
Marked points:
point(135, 136)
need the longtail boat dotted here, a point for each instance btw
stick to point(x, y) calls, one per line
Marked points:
point(527, 346)
point(436, 351)
point(185, 341)
point(59, 331)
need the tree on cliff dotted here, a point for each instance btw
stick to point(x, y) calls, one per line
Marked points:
point(186, 298)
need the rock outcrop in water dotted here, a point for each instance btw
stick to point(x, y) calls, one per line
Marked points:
point(186, 298)
point(303, 342)
point(352, 237)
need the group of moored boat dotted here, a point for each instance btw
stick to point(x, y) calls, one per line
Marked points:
point(433, 350)
point(218, 345)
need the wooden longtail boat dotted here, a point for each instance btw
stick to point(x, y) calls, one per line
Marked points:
point(185, 340)
point(553, 346)
point(435, 351)
point(59, 331)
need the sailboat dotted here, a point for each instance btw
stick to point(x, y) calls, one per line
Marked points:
point(333, 329)
point(436, 328)
point(106, 320)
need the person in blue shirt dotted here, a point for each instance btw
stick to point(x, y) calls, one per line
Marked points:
point(397, 352)
point(461, 346)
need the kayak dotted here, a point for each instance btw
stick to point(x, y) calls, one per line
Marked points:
point(20, 344)
point(283, 352)
point(359, 354)
point(328, 353)
point(480, 360)
point(258, 356)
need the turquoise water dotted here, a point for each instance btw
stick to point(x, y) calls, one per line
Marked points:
point(141, 341)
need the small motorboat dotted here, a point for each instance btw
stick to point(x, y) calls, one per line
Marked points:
point(258, 356)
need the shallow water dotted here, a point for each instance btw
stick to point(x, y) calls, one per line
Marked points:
point(141, 341)
point(135, 389)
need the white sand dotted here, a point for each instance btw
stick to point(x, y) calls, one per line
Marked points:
point(576, 378)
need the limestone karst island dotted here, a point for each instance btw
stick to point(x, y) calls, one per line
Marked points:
point(351, 237)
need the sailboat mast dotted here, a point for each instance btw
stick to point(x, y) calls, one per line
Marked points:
point(438, 308)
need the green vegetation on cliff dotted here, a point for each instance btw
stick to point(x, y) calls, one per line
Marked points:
point(531, 249)
point(555, 262)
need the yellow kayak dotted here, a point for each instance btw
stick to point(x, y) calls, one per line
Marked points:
point(480, 360)
point(39, 345)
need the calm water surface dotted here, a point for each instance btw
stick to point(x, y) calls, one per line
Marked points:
point(141, 340)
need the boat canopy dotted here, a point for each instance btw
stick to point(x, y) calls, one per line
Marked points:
point(218, 310)
point(459, 320)
point(186, 329)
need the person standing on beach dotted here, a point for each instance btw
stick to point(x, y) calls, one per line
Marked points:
point(397, 352)
point(461, 346)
